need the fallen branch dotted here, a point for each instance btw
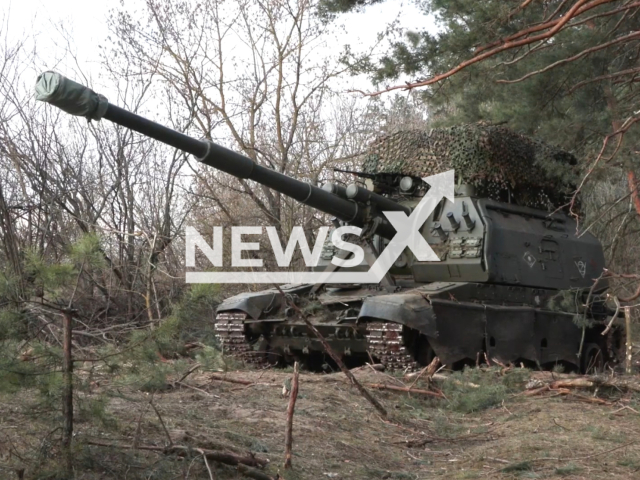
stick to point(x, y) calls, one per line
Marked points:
point(382, 386)
point(580, 382)
point(486, 359)
point(256, 474)
point(430, 370)
point(565, 380)
point(327, 348)
point(187, 373)
point(421, 442)
point(136, 437)
point(181, 450)
point(535, 391)
point(222, 457)
point(625, 407)
point(380, 372)
point(222, 378)
point(206, 463)
point(164, 427)
point(377, 405)
point(442, 377)
point(288, 437)
point(186, 385)
point(201, 441)
point(566, 391)
point(584, 398)
point(378, 367)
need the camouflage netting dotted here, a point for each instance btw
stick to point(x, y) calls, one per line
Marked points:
point(500, 163)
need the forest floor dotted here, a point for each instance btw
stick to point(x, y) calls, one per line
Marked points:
point(491, 430)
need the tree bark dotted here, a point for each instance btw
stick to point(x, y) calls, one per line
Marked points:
point(288, 437)
point(67, 392)
point(629, 352)
point(612, 103)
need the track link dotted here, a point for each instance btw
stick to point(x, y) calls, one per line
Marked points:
point(232, 339)
point(385, 342)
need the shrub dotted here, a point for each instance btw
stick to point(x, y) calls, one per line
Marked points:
point(473, 389)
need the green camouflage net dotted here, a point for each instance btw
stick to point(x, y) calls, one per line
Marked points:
point(498, 162)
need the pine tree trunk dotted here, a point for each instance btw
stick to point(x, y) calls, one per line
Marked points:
point(612, 103)
point(67, 393)
point(629, 343)
point(288, 437)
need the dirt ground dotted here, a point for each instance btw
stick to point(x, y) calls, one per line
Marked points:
point(337, 434)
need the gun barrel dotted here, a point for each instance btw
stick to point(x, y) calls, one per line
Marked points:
point(79, 100)
point(239, 165)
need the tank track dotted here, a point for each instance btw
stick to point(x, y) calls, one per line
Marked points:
point(385, 343)
point(231, 337)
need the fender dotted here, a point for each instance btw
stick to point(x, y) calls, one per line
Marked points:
point(411, 309)
point(255, 304)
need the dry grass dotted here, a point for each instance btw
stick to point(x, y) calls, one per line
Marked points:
point(336, 433)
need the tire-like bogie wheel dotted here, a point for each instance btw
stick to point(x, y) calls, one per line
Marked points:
point(593, 359)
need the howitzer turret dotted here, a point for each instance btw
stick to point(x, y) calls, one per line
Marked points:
point(513, 283)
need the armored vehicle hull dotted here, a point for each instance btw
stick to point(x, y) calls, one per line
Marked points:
point(531, 300)
point(461, 323)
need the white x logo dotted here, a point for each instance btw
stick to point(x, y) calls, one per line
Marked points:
point(408, 227)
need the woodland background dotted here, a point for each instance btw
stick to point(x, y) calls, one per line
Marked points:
point(92, 216)
point(92, 219)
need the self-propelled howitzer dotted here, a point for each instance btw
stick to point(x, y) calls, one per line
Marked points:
point(514, 283)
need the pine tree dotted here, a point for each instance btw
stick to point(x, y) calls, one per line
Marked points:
point(563, 71)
